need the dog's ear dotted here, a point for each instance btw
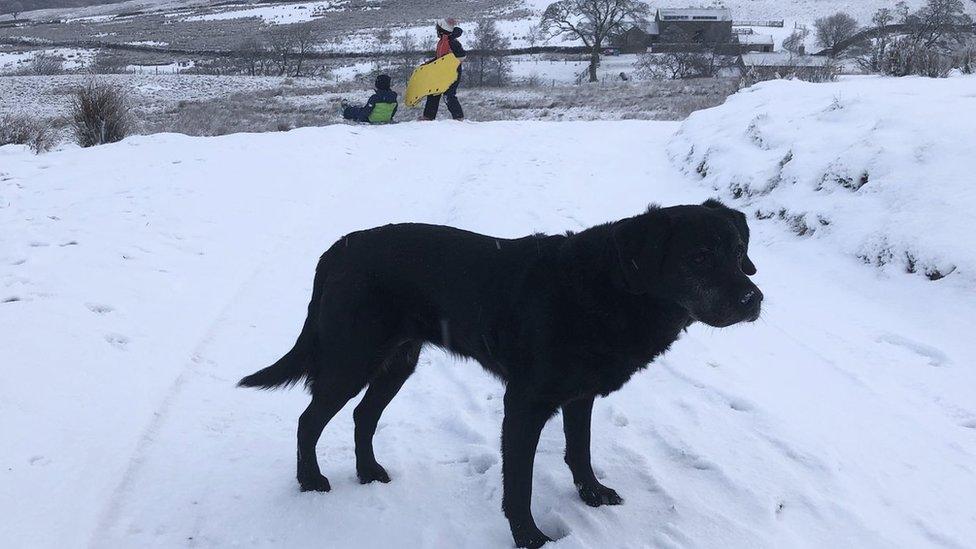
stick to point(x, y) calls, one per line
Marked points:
point(741, 225)
point(639, 245)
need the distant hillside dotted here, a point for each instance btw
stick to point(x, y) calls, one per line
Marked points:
point(8, 6)
point(793, 10)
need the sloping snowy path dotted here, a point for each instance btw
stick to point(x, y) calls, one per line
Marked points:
point(146, 277)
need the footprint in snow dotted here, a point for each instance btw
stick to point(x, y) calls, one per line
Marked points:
point(99, 309)
point(620, 420)
point(481, 463)
point(12, 299)
point(117, 340)
point(740, 405)
point(969, 424)
point(935, 356)
point(20, 261)
point(457, 426)
point(69, 243)
point(37, 244)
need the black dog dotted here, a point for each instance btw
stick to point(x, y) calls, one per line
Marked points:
point(560, 319)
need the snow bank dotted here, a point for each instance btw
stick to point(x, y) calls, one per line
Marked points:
point(882, 168)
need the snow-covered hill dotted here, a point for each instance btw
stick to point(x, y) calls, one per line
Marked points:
point(879, 167)
point(139, 281)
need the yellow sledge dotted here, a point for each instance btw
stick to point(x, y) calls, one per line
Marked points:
point(432, 78)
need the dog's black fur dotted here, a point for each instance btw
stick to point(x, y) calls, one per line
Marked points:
point(561, 319)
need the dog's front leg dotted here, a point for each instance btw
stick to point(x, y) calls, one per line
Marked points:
point(576, 425)
point(524, 419)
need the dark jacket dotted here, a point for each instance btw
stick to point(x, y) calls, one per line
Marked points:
point(382, 96)
point(456, 48)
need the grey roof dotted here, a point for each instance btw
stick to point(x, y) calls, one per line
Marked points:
point(719, 14)
point(755, 39)
point(783, 60)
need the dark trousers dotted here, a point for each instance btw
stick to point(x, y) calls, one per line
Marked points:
point(359, 114)
point(450, 97)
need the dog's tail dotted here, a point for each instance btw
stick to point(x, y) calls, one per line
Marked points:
point(294, 366)
point(287, 371)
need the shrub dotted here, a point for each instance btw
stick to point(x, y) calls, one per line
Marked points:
point(45, 64)
point(682, 65)
point(906, 57)
point(37, 134)
point(99, 115)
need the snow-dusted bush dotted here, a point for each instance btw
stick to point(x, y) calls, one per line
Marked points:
point(37, 134)
point(682, 65)
point(100, 114)
point(905, 57)
point(45, 64)
point(881, 167)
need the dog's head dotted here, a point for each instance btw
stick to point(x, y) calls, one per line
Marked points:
point(695, 256)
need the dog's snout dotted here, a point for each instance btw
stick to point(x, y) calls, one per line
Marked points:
point(752, 297)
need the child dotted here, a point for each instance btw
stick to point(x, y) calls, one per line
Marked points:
point(380, 108)
point(447, 34)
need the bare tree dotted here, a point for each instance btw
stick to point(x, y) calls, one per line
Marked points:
point(534, 35)
point(491, 68)
point(933, 34)
point(834, 29)
point(281, 42)
point(592, 22)
point(304, 40)
point(937, 23)
point(252, 52)
point(877, 50)
point(14, 8)
point(795, 43)
point(406, 58)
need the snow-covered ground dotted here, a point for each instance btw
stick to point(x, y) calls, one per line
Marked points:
point(140, 280)
point(275, 14)
point(46, 96)
point(74, 58)
point(880, 167)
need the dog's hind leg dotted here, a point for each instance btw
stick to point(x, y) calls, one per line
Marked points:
point(396, 369)
point(327, 400)
point(576, 425)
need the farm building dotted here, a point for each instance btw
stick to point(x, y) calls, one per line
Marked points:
point(762, 43)
point(689, 29)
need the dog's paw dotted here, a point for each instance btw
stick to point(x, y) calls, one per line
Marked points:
point(597, 494)
point(373, 472)
point(314, 483)
point(531, 538)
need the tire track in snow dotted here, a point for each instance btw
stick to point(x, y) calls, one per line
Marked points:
point(112, 510)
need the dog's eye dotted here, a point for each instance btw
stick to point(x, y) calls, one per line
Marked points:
point(703, 257)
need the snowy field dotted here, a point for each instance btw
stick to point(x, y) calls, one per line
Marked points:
point(48, 96)
point(15, 61)
point(140, 280)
